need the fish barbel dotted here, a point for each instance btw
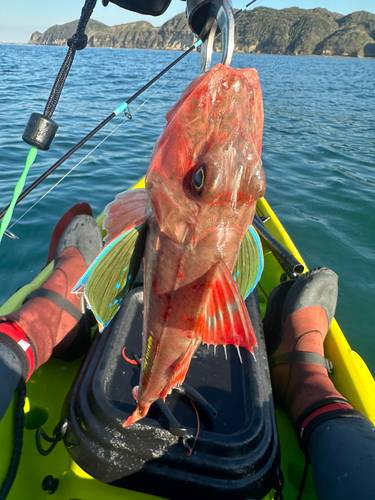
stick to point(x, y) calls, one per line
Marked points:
point(192, 220)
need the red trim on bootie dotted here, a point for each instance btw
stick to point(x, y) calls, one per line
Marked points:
point(327, 410)
point(320, 411)
point(13, 331)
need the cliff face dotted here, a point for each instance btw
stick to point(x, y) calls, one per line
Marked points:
point(59, 34)
point(356, 37)
point(286, 31)
point(261, 31)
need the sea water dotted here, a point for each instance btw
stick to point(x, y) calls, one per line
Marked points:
point(318, 154)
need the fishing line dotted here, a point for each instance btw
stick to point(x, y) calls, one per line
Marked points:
point(66, 175)
point(198, 429)
point(158, 90)
point(6, 213)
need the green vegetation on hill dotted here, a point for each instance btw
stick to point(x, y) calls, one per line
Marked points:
point(260, 31)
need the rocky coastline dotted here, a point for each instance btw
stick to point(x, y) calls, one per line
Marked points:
point(263, 30)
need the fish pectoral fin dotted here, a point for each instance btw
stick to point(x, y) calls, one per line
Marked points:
point(112, 274)
point(125, 209)
point(250, 263)
point(224, 319)
point(182, 366)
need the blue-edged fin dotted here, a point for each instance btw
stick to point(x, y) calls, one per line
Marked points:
point(112, 274)
point(250, 263)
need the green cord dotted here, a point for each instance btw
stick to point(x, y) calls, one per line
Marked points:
point(33, 152)
point(17, 191)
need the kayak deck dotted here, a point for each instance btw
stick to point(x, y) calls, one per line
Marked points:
point(351, 376)
point(48, 387)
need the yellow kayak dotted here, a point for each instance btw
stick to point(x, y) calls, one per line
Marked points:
point(47, 389)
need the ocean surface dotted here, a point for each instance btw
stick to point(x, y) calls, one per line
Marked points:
point(318, 155)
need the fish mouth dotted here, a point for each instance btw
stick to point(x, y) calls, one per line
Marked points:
point(173, 215)
point(179, 233)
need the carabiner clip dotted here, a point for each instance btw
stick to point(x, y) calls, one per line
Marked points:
point(217, 16)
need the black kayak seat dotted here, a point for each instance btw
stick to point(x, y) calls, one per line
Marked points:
point(236, 454)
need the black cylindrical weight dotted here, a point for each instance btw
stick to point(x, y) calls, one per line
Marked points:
point(40, 131)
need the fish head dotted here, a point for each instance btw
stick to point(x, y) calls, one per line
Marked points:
point(205, 170)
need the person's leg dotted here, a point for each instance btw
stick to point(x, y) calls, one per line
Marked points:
point(342, 456)
point(297, 320)
point(10, 376)
point(51, 320)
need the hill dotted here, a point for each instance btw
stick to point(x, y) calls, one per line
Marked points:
point(259, 31)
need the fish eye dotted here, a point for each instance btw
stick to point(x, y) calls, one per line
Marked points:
point(198, 179)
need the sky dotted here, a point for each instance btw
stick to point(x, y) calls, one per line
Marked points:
point(20, 18)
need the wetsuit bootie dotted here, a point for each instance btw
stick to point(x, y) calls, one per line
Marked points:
point(338, 441)
point(51, 321)
point(299, 313)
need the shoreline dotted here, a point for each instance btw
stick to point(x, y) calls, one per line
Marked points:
point(325, 56)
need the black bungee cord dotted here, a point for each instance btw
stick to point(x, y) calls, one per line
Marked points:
point(17, 446)
point(117, 111)
point(78, 42)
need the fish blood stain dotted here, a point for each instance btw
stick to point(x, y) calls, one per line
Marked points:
point(166, 315)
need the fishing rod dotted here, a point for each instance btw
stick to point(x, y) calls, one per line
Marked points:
point(117, 111)
point(286, 259)
point(19, 195)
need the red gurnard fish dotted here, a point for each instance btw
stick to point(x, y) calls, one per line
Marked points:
point(192, 224)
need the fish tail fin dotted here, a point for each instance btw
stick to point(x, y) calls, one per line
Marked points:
point(137, 414)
